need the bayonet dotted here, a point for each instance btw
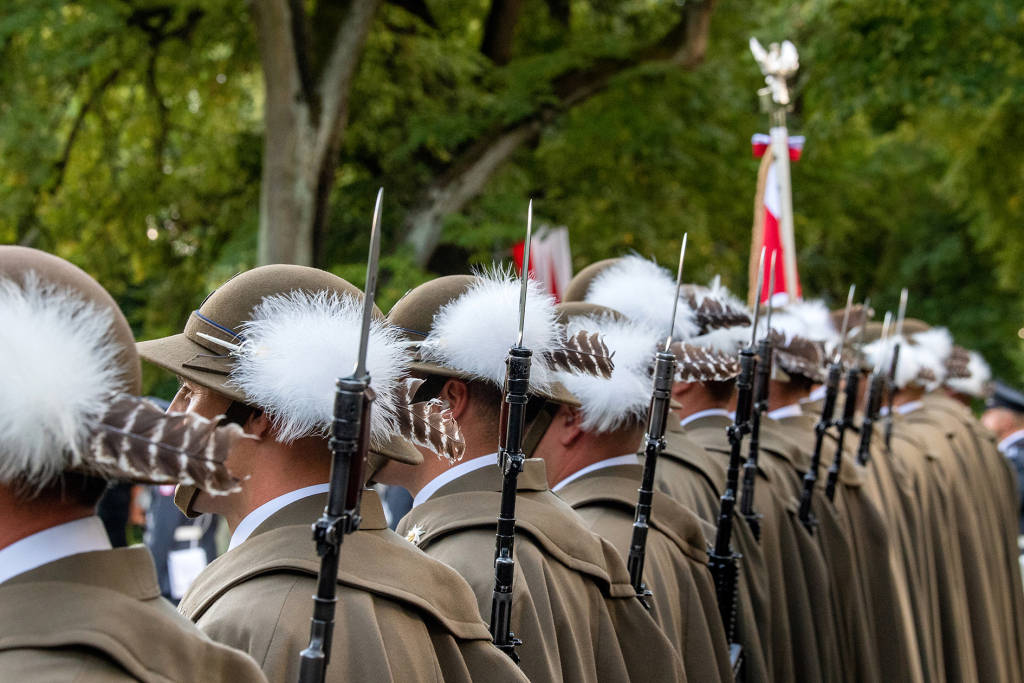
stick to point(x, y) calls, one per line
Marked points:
point(722, 560)
point(891, 380)
point(511, 425)
point(350, 436)
point(654, 444)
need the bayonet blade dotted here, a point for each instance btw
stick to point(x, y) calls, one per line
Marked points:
point(902, 313)
point(846, 323)
point(679, 284)
point(370, 289)
point(883, 342)
point(757, 298)
point(525, 273)
point(771, 295)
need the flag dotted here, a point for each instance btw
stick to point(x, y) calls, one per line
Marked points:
point(767, 217)
point(550, 259)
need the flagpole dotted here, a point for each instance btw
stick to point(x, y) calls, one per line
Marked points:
point(780, 147)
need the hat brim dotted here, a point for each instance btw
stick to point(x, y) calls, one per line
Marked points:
point(556, 392)
point(398, 449)
point(172, 353)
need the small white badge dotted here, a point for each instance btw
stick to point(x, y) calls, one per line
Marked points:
point(183, 566)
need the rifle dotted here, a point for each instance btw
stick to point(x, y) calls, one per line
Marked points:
point(350, 434)
point(872, 403)
point(761, 380)
point(824, 422)
point(654, 444)
point(511, 426)
point(891, 382)
point(849, 410)
point(722, 560)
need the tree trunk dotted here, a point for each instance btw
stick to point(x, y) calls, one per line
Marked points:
point(304, 120)
point(684, 46)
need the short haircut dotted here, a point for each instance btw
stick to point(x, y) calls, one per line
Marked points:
point(720, 392)
point(484, 396)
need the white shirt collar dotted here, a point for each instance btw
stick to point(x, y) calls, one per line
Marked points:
point(452, 474)
point(703, 413)
point(908, 407)
point(259, 515)
point(792, 410)
point(1005, 443)
point(630, 459)
point(817, 394)
point(84, 535)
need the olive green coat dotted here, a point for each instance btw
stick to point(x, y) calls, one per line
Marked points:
point(98, 616)
point(401, 616)
point(573, 606)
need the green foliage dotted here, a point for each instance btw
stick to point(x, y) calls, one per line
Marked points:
point(912, 174)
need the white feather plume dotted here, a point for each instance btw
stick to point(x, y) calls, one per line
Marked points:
point(720, 293)
point(981, 375)
point(922, 354)
point(609, 404)
point(809, 319)
point(59, 367)
point(297, 345)
point(642, 290)
point(725, 339)
point(473, 333)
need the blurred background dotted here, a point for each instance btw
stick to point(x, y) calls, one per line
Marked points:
point(164, 146)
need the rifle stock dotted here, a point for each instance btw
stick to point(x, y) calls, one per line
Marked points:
point(722, 560)
point(871, 408)
point(811, 477)
point(654, 444)
point(762, 377)
point(849, 409)
point(511, 459)
point(349, 442)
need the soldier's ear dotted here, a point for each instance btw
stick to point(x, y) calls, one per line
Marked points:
point(456, 393)
point(572, 420)
point(258, 424)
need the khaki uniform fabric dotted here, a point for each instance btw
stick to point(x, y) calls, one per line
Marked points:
point(401, 617)
point(573, 606)
point(683, 599)
point(692, 476)
point(804, 623)
point(98, 616)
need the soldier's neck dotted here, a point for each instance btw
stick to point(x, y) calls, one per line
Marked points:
point(22, 518)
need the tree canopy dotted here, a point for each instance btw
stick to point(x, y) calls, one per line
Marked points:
point(133, 138)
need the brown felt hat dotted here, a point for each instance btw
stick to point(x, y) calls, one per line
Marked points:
point(911, 326)
point(580, 283)
point(414, 316)
point(222, 315)
point(17, 262)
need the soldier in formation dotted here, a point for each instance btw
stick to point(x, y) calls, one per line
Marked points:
point(869, 522)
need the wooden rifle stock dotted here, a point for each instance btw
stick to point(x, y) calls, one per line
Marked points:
point(654, 444)
point(511, 459)
point(349, 441)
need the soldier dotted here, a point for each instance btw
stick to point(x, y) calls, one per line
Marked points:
point(1004, 416)
point(265, 349)
point(590, 456)
point(686, 472)
point(573, 606)
point(71, 607)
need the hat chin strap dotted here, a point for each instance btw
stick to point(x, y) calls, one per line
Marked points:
point(539, 427)
point(184, 498)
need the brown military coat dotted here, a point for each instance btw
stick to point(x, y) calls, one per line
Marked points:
point(864, 530)
point(401, 616)
point(98, 616)
point(691, 476)
point(683, 599)
point(918, 449)
point(798, 572)
point(573, 606)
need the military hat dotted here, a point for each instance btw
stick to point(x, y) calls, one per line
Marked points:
point(923, 352)
point(973, 379)
point(71, 379)
point(1005, 396)
point(462, 326)
point(277, 337)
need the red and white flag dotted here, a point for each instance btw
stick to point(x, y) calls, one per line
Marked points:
point(768, 217)
point(550, 259)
